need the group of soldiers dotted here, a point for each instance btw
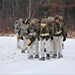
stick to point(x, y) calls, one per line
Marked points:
point(42, 39)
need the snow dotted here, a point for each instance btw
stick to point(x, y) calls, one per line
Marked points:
point(12, 61)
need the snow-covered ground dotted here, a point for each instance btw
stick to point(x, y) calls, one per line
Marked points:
point(12, 61)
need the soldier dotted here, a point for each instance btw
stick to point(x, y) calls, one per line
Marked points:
point(16, 26)
point(33, 46)
point(63, 22)
point(59, 35)
point(45, 34)
point(19, 37)
point(52, 26)
point(24, 33)
point(18, 30)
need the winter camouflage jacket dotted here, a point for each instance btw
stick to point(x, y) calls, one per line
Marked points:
point(33, 28)
point(45, 30)
point(59, 29)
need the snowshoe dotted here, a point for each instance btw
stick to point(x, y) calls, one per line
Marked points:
point(60, 55)
point(42, 58)
point(23, 51)
point(54, 56)
point(30, 57)
point(36, 56)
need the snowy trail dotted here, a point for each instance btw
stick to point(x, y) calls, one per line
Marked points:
point(12, 61)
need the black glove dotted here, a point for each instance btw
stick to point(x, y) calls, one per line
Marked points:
point(66, 34)
point(32, 38)
point(52, 38)
point(35, 30)
point(64, 39)
point(19, 32)
point(22, 38)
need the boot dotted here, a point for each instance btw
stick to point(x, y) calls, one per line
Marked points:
point(30, 57)
point(36, 56)
point(42, 58)
point(23, 51)
point(48, 56)
point(54, 56)
point(60, 55)
point(44, 49)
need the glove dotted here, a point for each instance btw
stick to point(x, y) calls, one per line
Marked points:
point(66, 34)
point(52, 38)
point(30, 41)
point(22, 38)
point(64, 39)
point(32, 38)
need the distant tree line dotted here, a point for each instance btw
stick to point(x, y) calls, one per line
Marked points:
point(11, 10)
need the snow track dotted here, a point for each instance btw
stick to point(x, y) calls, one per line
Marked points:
point(12, 61)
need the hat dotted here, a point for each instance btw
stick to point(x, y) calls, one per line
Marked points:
point(56, 18)
point(20, 20)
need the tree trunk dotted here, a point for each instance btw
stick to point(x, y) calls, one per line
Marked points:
point(29, 9)
point(2, 14)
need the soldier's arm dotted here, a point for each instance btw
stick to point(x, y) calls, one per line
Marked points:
point(38, 32)
point(64, 30)
point(50, 31)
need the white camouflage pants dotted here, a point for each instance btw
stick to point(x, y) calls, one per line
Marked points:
point(36, 52)
point(56, 45)
point(24, 43)
point(44, 44)
point(18, 45)
point(34, 48)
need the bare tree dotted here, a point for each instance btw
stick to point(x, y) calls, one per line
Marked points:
point(17, 8)
point(2, 12)
point(29, 9)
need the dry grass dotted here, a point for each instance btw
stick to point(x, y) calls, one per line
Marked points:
point(71, 34)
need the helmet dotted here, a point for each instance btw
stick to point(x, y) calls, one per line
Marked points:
point(61, 18)
point(20, 20)
point(51, 19)
point(56, 17)
point(44, 22)
point(34, 21)
point(16, 21)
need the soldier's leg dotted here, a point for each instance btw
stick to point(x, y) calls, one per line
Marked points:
point(18, 43)
point(18, 39)
point(60, 46)
point(48, 49)
point(55, 47)
point(62, 43)
point(31, 50)
point(52, 48)
point(42, 53)
point(24, 44)
point(37, 49)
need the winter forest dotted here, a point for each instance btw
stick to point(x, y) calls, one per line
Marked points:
point(11, 10)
